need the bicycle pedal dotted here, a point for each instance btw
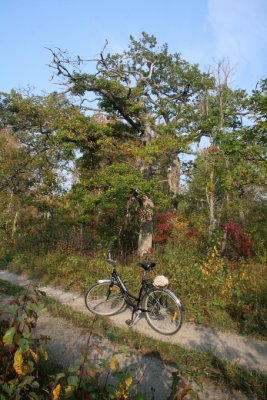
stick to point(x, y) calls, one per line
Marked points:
point(129, 322)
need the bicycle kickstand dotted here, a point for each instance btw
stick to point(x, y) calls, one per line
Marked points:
point(135, 314)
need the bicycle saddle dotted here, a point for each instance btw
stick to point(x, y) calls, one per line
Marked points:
point(147, 266)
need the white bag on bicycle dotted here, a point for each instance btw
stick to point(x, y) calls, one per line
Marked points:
point(161, 281)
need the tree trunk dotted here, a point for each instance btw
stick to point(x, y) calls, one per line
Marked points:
point(224, 238)
point(145, 240)
point(14, 226)
point(212, 223)
point(211, 203)
point(173, 175)
point(224, 241)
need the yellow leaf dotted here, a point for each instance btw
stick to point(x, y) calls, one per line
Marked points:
point(20, 368)
point(174, 318)
point(56, 392)
point(18, 361)
point(114, 365)
point(45, 355)
point(34, 356)
point(69, 389)
point(128, 381)
point(120, 394)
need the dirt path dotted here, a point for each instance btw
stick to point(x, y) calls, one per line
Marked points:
point(246, 352)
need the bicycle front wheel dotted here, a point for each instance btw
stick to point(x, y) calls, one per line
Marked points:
point(104, 298)
point(164, 311)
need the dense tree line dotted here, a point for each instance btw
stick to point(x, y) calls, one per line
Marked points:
point(106, 160)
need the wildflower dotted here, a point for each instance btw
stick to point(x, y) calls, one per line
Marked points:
point(226, 290)
point(123, 391)
point(114, 365)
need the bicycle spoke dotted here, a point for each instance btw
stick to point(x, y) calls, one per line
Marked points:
point(104, 299)
point(164, 313)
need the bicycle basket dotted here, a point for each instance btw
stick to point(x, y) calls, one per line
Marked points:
point(161, 281)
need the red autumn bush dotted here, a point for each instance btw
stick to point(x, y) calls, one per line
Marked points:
point(167, 226)
point(241, 242)
point(163, 226)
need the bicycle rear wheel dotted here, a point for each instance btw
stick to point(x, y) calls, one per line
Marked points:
point(104, 298)
point(165, 313)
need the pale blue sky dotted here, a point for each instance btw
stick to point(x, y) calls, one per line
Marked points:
point(203, 31)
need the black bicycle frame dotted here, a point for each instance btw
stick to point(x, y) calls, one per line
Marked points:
point(127, 295)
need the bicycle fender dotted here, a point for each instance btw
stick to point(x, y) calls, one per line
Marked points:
point(175, 298)
point(104, 281)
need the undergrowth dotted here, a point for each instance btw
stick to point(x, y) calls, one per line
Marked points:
point(216, 292)
point(191, 364)
point(23, 371)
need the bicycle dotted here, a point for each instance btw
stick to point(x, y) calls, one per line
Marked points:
point(163, 310)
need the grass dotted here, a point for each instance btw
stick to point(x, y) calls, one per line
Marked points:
point(8, 289)
point(193, 364)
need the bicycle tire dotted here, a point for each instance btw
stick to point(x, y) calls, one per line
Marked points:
point(104, 298)
point(165, 312)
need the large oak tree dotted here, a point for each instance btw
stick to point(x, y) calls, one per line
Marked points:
point(148, 98)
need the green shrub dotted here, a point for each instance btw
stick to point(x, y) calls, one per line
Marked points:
point(6, 256)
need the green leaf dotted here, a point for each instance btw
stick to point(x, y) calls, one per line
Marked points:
point(35, 385)
point(140, 397)
point(36, 308)
point(7, 388)
point(59, 376)
point(73, 380)
point(26, 334)
point(12, 309)
point(175, 365)
point(23, 344)
point(9, 335)
point(111, 336)
point(105, 364)
point(34, 396)
point(124, 349)
point(111, 389)
point(28, 379)
point(194, 394)
point(73, 368)
point(21, 319)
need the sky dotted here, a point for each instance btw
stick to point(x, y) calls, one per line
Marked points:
point(202, 31)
